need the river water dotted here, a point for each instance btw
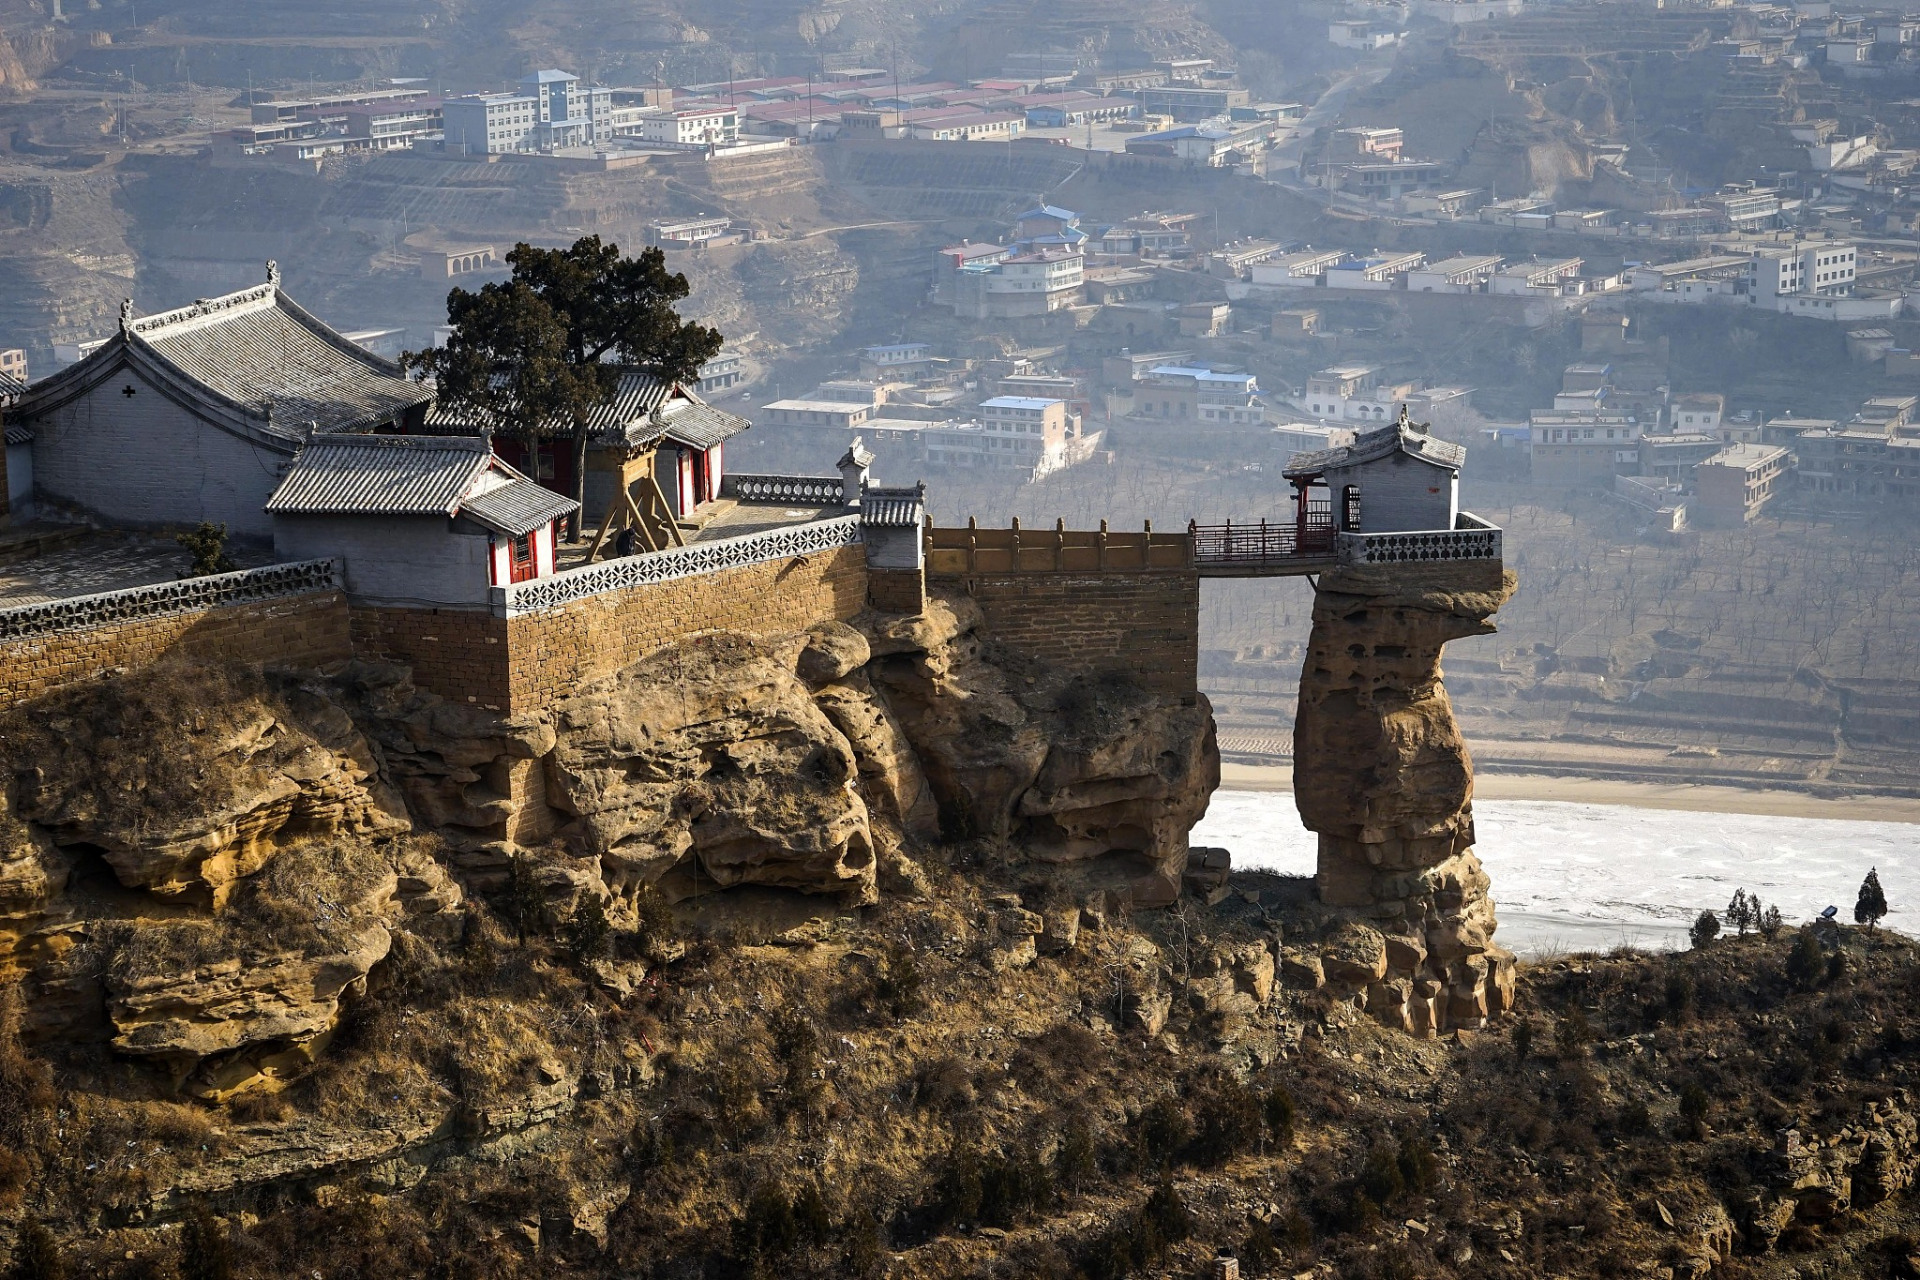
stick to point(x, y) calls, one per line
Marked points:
point(1583, 877)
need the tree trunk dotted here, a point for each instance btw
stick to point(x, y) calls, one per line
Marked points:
point(579, 479)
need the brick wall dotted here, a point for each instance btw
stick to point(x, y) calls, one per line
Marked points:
point(902, 591)
point(553, 652)
point(460, 654)
point(293, 629)
point(1146, 623)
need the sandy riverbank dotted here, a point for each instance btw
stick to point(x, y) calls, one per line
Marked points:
point(1639, 795)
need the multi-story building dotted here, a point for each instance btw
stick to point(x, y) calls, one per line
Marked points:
point(1736, 484)
point(1575, 448)
point(551, 109)
point(1329, 390)
point(1197, 393)
point(1024, 284)
point(816, 412)
point(1851, 463)
point(13, 363)
point(1673, 457)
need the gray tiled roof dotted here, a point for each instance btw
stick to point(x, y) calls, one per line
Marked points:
point(1378, 443)
point(10, 386)
point(903, 508)
point(256, 348)
point(517, 507)
point(639, 393)
point(699, 426)
point(381, 475)
point(18, 434)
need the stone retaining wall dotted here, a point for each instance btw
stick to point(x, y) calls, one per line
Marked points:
point(297, 629)
point(1144, 623)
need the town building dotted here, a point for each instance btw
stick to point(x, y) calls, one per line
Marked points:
point(1700, 412)
point(1869, 465)
point(1539, 276)
point(1213, 145)
point(815, 411)
point(695, 128)
point(1201, 394)
point(1467, 273)
point(1189, 103)
point(1382, 271)
point(13, 364)
point(550, 110)
point(1736, 484)
point(1575, 448)
point(896, 359)
point(446, 263)
point(1301, 270)
point(1025, 284)
point(189, 415)
point(690, 233)
point(419, 520)
point(1671, 458)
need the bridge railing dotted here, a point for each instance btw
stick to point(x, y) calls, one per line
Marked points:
point(974, 550)
point(1262, 543)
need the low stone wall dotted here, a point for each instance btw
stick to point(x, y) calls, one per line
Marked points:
point(299, 629)
point(1143, 622)
point(552, 651)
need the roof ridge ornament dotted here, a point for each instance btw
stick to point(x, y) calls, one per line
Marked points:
point(126, 315)
point(1407, 423)
point(273, 274)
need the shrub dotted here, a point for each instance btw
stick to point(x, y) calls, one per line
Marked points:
point(1694, 1105)
point(1280, 1110)
point(1807, 961)
point(896, 989)
point(958, 1193)
point(206, 1250)
point(524, 903)
point(1572, 1034)
point(585, 936)
point(1162, 1132)
point(36, 1254)
point(811, 1218)
point(768, 1228)
point(1419, 1166)
point(654, 925)
point(1259, 1253)
point(208, 544)
point(1743, 912)
point(1228, 1122)
point(1705, 930)
point(1013, 1185)
point(1380, 1177)
point(1522, 1040)
point(1075, 1165)
point(1635, 1120)
point(1771, 923)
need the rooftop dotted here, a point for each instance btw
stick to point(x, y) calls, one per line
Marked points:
point(1399, 437)
point(413, 476)
point(254, 356)
point(1018, 402)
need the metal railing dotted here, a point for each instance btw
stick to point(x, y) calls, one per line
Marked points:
point(817, 491)
point(569, 585)
point(1263, 542)
point(161, 599)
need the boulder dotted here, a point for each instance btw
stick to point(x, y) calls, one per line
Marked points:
point(832, 651)
point(1355, 955)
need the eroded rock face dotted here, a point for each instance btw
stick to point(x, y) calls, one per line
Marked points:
point(1382, 774)
point(187, 785)
point(1097, 777)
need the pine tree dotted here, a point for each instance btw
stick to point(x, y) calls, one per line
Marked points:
point(1770, 923)
point(1872, 903)
point(1742, 911)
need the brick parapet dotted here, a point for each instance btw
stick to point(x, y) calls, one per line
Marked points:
point(902, 591)
point(299, 629)
point(552, 652)
point(1146, 623)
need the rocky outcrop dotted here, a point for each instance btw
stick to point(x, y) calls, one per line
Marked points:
point(707, 766)
point(1095, 777)
point(1382, 774)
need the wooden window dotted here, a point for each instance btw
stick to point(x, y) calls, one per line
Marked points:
point(520, 554)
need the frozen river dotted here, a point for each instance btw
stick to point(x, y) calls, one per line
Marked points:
point(1591, 876)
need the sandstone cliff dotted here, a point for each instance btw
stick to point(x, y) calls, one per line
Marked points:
point(199, 867)
point(1382, 774)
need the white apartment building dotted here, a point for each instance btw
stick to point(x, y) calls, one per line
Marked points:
point(692, 127)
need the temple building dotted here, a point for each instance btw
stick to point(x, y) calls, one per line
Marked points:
point(416, 520)
point(190, 415)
